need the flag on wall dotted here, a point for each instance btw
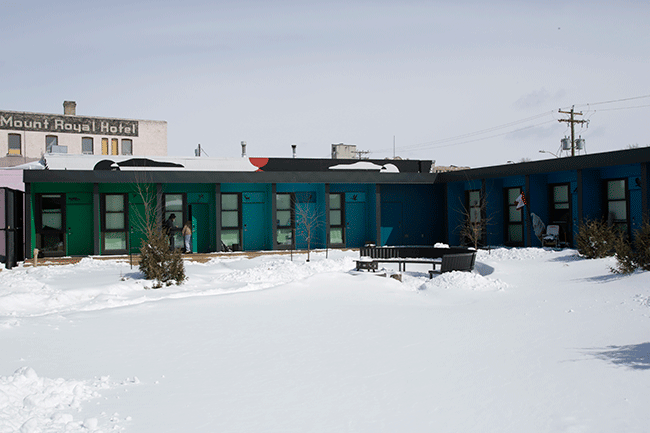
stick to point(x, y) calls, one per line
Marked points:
point(521, 201)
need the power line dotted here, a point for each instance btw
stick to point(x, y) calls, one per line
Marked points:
point(463, 138)
point(622, 108)
point(431, 144)
point(412, 148)
point(613, 101)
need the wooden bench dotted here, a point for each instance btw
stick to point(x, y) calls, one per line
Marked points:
point(455, 262)
point(371, 264)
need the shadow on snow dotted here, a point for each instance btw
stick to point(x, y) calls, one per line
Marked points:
point(635, 356)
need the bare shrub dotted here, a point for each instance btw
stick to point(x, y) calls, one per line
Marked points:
point(596, 239)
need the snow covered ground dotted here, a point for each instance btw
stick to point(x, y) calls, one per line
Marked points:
point(533, 340)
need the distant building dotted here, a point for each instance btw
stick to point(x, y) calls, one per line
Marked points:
point(26, 137)
point(344, 151)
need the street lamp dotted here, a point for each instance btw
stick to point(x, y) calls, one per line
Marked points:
point(546, 151)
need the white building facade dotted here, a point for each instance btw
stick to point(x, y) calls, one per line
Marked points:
point(25, 137)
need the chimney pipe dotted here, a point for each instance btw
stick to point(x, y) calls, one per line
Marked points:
point(69, 108)
point(243, 149)
point(293, 148)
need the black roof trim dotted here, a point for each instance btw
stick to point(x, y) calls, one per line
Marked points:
point(344, 176)
point(596, 160)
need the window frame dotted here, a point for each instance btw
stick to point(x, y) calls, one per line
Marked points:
point(340, 226)
point(20, 144)
point(620, 225)
point(291, 227)
point(565, 225)
point(127, 143)
point(180, 215)
point(472, 211)
point(41, 232)
point(48, 146)
point(229, 229)
point(509, 223)
point(106, 230)
point(84, 140)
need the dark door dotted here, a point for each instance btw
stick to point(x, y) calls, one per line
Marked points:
point(355, 219)
point(391, 223)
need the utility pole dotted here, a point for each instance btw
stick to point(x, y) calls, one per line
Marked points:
point(571, 120)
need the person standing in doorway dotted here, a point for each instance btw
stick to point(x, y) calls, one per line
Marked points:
point(187, 236)
point(169, 228)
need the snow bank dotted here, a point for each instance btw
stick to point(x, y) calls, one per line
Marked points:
point(33, 404)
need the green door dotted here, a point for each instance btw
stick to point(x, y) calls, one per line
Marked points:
point(79, 217)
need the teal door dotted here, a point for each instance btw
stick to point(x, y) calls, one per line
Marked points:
point(200, 228)
point(355, 219)
point(391, 223)
point(253, 221)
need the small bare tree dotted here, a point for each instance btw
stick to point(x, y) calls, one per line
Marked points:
point(475, 219)
point(308, 222)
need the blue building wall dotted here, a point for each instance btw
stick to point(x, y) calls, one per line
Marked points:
point(407, 214)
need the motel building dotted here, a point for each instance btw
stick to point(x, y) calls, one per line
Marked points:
point(91, 205)
point(84, 184)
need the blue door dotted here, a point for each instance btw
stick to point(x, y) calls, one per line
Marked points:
point(391, 223)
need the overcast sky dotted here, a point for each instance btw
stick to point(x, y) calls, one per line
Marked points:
point(462, 83)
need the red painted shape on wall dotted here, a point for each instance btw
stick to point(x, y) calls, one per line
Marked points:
point(259, 162)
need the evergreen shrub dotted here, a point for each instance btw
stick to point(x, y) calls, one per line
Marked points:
point(158, 263)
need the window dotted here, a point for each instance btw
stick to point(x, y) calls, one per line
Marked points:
point(115, 223)
point(617, 212)
point(337, 219)
point(104, 146)
point(560, 212)
point(114, 150)
point(50, 142)
point(50, 224)
point(127, 147)
point(87, 146)
point(15, 147)
point(474, 232)
point(285, 218)
point(514, 233)
point(174, 204)
point(231, 220)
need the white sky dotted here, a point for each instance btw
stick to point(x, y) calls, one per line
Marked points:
point(316, 73)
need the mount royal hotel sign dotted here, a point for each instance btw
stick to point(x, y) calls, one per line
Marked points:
point(67, 124)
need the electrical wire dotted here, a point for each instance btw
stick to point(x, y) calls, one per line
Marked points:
point(464, 138)
point(433, 144)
